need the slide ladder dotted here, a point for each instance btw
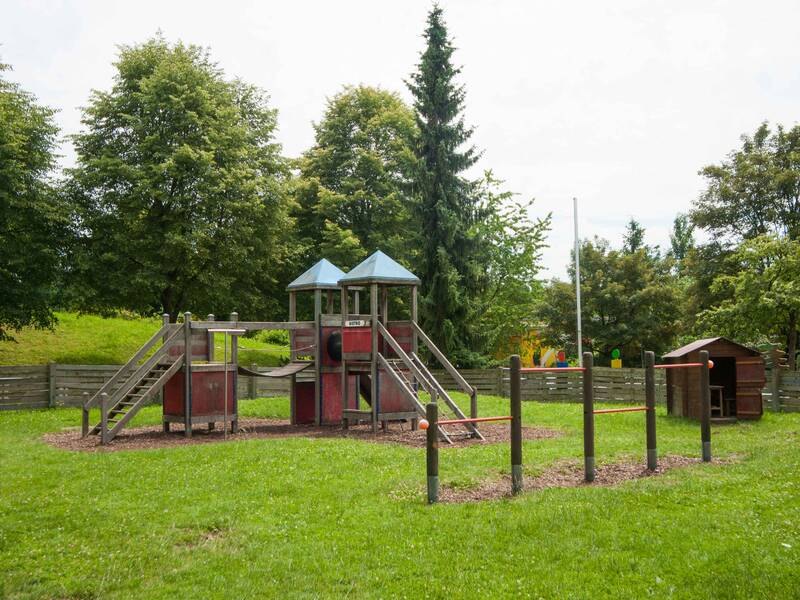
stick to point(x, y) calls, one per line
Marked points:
point(135, 384)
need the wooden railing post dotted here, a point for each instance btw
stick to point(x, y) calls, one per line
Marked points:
point(252, 384)
point(210, 340)
point(650, 414)
point(51, 376)
point(103, 419)
point(85, 415)
point(187, 372)
point(705, 406)
point(235, 376)
point(432, 451)
point(588, 417)
point(516, 425)
point(775, 380)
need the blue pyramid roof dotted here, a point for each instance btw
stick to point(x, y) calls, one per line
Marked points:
point(379, 268)
point(322, 276)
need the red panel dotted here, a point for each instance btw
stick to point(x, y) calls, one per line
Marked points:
point(332, 396)
point(304, 402)
point(207, 393)
point(199, 345)
point(356, 340)
point(391, 397)
point(401, 334)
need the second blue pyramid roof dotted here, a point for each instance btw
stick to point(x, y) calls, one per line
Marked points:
point(379, 268)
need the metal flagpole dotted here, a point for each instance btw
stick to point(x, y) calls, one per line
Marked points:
point(578, 280)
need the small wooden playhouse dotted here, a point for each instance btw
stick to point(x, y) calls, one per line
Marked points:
point(736, 380)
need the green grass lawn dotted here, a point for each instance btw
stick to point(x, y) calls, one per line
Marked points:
point(94, 340)
point(302, 518)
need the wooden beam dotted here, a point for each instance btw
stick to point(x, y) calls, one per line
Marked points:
point(373, 306)
point(317, 356)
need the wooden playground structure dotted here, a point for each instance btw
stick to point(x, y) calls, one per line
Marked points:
point(355, 358)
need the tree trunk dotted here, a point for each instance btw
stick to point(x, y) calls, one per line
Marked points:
point(791, 346)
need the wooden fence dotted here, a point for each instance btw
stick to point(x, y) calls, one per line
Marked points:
point(42, 386)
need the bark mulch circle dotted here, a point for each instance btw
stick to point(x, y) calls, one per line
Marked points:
point(568, 474)
point(153, 436)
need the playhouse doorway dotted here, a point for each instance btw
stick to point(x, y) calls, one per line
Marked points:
point(724, 375)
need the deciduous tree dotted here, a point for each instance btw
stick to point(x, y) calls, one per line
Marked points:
point(33, 221)
point(180, 187)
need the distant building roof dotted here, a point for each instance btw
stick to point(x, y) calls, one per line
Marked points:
point(322, 276)
point(379, 268)
point(700, 344)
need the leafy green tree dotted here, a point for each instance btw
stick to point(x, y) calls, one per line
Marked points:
point(628, 302)
point(762, 294)
point(756, 191)
point(447, 208)
point(33, 221)
point(506, 306)
point(633, 239)
point(682, 237)
point(180, 187)
point(353, 188)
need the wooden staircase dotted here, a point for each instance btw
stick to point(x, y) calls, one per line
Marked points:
point(134, 385)
point(405, 369)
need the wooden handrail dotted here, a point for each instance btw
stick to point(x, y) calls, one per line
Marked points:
point(405, 358)
point(462, 383)
point(446, 397)
point(253, 325)
point(129, 366)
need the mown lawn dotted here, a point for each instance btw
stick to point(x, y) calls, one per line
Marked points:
point(293, 517)
point(94, 340)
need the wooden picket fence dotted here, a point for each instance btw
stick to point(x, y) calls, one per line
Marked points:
point(43, 386)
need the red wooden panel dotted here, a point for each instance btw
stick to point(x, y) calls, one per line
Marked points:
point(207, 393)
point(304, 402)
point(199, 346)
point(750, 372)
point(749, 404)
point(356, 340)
point(391, 396)
point(401, 334)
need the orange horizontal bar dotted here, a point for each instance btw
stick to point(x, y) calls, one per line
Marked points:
point(678, 366)
point(616, 410)
point(476, 420)
point(550, 369)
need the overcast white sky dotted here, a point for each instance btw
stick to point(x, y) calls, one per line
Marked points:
point(617, 103)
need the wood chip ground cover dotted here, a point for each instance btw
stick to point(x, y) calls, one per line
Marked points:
point(153, 436)
point(568, 474)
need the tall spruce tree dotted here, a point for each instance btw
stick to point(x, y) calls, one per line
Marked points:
point(447, 203)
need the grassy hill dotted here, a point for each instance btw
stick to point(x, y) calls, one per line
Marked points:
point(90, 339)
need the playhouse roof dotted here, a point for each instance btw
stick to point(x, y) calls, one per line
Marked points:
point(700, 344)
point(379, 268)
point(322, 276)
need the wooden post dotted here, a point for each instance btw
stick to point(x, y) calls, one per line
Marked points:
point(164, 322)
point(103, 419)
point(187, 372)
point(414, 315)
point(235, 376)
point(432, 451)
point(252, 384)
point(516, 425)
point(329, 294)
point(85, 416)
point(775, 380)
point(356, 303)
point(210, 341)
point(705, 407)
point(499, 382)
point(51, 376)
point(343, 307)
point(373, 370)
point(292, 319)
point(317, 357)
point(588, 417)
point(650, 414)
